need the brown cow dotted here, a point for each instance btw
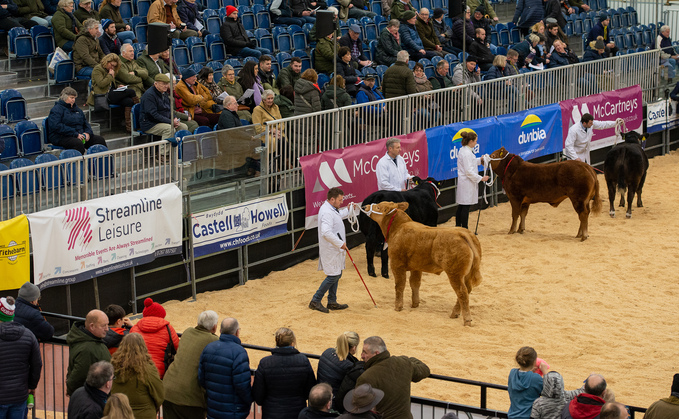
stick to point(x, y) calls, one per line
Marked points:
point(527, 183)
point(418, 248)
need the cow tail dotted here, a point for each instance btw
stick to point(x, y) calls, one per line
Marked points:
point(596, 205)
point(620, 167)
point(473, 277)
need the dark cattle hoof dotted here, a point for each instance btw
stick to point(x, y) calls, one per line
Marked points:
point(371, 271)
point(372, 274)
point(385, 275)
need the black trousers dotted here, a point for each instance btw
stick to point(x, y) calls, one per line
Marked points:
point(175, 411)
point(122, 98)
point(462, 216)
point(14, 22)
point(76, 144)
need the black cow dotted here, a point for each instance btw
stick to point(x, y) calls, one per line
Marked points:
point(625, 170)
point(422, 207)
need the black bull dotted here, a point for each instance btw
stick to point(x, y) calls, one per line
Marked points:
point(625, 170)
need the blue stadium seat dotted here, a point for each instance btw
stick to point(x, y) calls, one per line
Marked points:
point(369, 29)
point(494, 37)
point(197, 49)
point(138, 49)
point(139, 24)
point(125, 9)
point(12, 105)
point(51, 176)
point(100, 167)
point(43, 42)
point(216, 47)
point(503, 33)
point(298, 37)
point(323, 79)
point(262, 16)
point(30, 140)
point(452, 60)
point(264, 39)
point(373, 49)
point(213, 4)
point(514, 34)
point(428, 67)
point(615, 19)
point(569, 28)
point(381, 23)
point(633, 16)
point(624, 17)
point(344, 27)
point(202, 130)
point(26, 181)
point(282, 38)
point(11, 143)
point(247, 18)
point(578, 27)
point(306, 60)
point(376, 7)
point(212, 21)
point(501, 51)
point(7, 183)
point(180, 53)
point(217, 67)
point(143, 7)
point(20, 43)
point(283, 59)
point(72, 168)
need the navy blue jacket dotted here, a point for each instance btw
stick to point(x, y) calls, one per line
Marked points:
point(675, 93)
point(528, 13)
point(50, 6)
point(410, 39)
point(67, 121)
point(282, 383)
point(366, 95)
point(592, 55)
point(11, 10)
point(224, 372)
point(523, 48)
point(557, 60)
point(596, 31)
point(87, 403)
point(108, 45)
point(21, 363)
point(188, 13)
point(29, 315)
point(332, 371)
point(459, 31)
point(155, 108)
point(495, 72)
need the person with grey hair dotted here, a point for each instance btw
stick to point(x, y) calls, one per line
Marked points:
point(184, 398)
point(87, 52)
point(392, 375)
point(229, 84)
point(398, 80)
point(389, 44)
point(320, 403)
point(229, 116)
point(88, 401)
point(226, 361)
point(131, 74)
point(668, 56)
point(66, 26)
point(67, 125)
point(392, 172)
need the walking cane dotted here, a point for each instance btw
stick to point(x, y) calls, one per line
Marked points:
point(359, 273)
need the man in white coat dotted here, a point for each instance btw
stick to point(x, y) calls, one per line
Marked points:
point(391, 170)
point(580, 136)
point(332, 248)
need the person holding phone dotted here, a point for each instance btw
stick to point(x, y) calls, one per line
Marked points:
point(467, 191)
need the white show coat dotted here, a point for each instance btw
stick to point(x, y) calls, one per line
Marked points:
point(390, 176)
point(467, 192)
point(579, 139)
point(331, 259)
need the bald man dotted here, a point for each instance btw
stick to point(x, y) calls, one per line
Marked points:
point(86, 346)
point(587, 405)
point(613, 410)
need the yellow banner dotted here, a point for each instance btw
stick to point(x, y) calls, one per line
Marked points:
point(15, 264)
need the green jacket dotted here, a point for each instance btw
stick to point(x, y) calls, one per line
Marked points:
point(664, 409)
point(285, 105)
point(287, 77)
point(84, 350)
point(181, 379)
point(113, 13)
point(324, 56)
point(62, 23)
point(235, 90)
point(427, 34)
point(30, 8)
point(86, 51)
point(398, 8)
point(436, 81)
point(82, 14)
point(134, 81)
point(101, 83)
point(473, 4)
point(327, 100)
point(398, 81)
point(147, 63)
point(393, 375)
point(145, 398)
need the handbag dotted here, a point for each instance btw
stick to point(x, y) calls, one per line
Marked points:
point(170, 350)
point(101, 103)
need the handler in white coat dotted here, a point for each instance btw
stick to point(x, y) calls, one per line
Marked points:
point(467, 192)
point(580, 137)
point(332, 249)
point(392, 173)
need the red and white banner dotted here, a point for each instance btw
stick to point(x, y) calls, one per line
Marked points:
point(353, 170)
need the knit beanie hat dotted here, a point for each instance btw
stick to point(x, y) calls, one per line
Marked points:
point(6, 310)
point(481, 10)
point(408, 14)
point(29, 292)
point(230, 9)
point(105, 23)
point(152, 309)
point(188, 72)
point(438, 12)
point(599, 43)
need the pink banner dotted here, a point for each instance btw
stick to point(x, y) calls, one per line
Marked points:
point(353, 170)
point(608, 106)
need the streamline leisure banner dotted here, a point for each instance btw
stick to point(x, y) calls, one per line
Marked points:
point(15, 264)
point(77, 242)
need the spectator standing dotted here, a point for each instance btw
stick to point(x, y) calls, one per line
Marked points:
point(188, 13)
point(602, 30)
point(281, 13)
point(398, 80)
point(666, 408)
point(399, 7)
point(410, 38)
point(165, 11)
point(325, 52)
point(289, 75)
point(361, 402)
point(131, 73)
point(443, 32)
point(524, 385)
point(110, 9)
point(86, 51)
point(553, 10)
point(425, 29)
point(392, 375)
point(109, 42)
point(463, 31)
point(28, 312)
point(389, 43)
point(286, 101)
point(86, 346)
point(229, 84)
point(587, 405)
point(66, 26)
point(229, 116)
point(184, 396)
point(85, 11)
point(553, 397)
point(486, 6)
point(527, 13)
point(248, 78)
point(224, 372)
point(346, 70)
point(197, 99)
point(320, 403)
point(157, 332)
point(235, 37)
point(68, 128)
point(336, 362)
point(352, 40)
point(266, 74)
point(441, 79)
point(118, 326)
point(103, 82)
point(307, 93)
point(21, 362)
point(328, 97)
point(154, 65)
point(283, 379)
point(391, 170)
point(422, 83)
point(88, 401)
point(118, 407)
point(33, 10)
point(480, 48)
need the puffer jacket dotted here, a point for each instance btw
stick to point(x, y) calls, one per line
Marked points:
point(325, 51)
point(188, 13)
point(69, 121)
point(87, 403)
point(528, 13)
point(592, 55)
point(553, 397)
point(282, 383)
point(86, 51)
point(145, 397)
point(112, 12)
point(398, 80)
point(84, 350)
point(461, 32)
point(156, 337)
point(495, 72)
point(21, 363)
point(234, 36)
point(224, 372)
point(410, 39)
point(387, 48)
point(307, 97)
point(328, 97)
point(29, 315)
point(63, 25)
point(332, 371)
point(427, 34)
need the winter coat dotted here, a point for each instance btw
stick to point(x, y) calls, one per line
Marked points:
point(21, 363)
point(285, 106)
point(440, 82)
point(188, 13)
point(327, 99)
point(87, 403)
point(228, 119)
point(157, 13)
point(387, 48)
point(393, 375)
point(109, 11)
point(68, 121)
point(523, 48)
point(156, 336)
point(147, 63)
point(101, 83)
point(82, 15)
point(287, 77)
point(584, 406)
point(348, 384)
point(84, 350)
point(307, 97)
point(592, 55)
point(481, 51)
point(236, 90)
point(399, 7)
point(11, 11)
point(268, 80)
point(332, 371)
point(109, 45)
point(145, 397)
point(599, 31)
point(463, 76)
point(366, 95)
point(155, 109)
point(234, 36)
point(348, 73)
point(30, 8)
point(224, 372)
point(114, 336)
point(398, 80)
point(325, 52)
point(459, 33)
point(346, 41)
point(50, 6)
point(299, 6)
point(482, 23)
point(553, 397)
point(366, 415)
point(192, 99)
point(422, 84)
point(495, 73)
point(311, 413)
point(524, 388)
point(133, 81)
point(63, 25)
point(86, 51)
point(29, 315)
point(528, 13)
point(664, 409)
point(427, 34)
point(282, 383)
point(473, 4)
point(410, 39)
point(261, 115)
point(557, 60)
point(280, 8)
point(553, 10)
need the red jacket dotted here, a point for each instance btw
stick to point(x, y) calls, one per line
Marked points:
point(156, 337)
point(585, 406)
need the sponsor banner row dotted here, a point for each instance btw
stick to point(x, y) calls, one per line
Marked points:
point(661, 115)
point(14, 253)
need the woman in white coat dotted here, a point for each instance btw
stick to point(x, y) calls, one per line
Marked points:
point(467, 192)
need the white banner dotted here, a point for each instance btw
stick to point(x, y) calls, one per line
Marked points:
point(77, 242)
point(661, 115)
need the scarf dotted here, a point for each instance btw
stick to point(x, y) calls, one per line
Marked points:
point(214, 89)
point(421, 83)
point(258, 88)
point(72, 20)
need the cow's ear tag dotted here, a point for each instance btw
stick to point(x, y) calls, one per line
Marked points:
point(500, 154)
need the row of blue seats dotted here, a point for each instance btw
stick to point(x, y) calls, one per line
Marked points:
point(24, 140)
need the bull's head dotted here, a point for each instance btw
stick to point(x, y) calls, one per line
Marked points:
point(635, 138)
point(496, 156)
point(384, 209)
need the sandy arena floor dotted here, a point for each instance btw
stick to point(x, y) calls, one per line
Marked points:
point(603, 306)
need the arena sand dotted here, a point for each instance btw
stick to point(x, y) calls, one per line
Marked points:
point(604, 305)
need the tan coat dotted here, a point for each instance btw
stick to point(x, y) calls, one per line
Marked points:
point(260, 116)
point(201, 98)
point(133, 81)
point(157, 13)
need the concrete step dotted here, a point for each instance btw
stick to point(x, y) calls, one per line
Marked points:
point(7, 79)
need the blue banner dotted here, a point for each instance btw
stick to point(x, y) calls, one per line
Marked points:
point(532, 133)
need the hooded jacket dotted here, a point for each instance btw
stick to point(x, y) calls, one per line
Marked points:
point(84, 350)
point(86, 51)
point(29, 315)
point(145, 397)
point(328, 97)
point(307, 97)
point(584, 406)
point(156, 337)
point(553, 397)
point(524, 388)
point(664, 408)
point(68, 121)
point(21, 363)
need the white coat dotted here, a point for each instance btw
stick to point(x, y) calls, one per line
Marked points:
point(468, 178)
point(390, 176)
point(331, 259)
point(579, 139)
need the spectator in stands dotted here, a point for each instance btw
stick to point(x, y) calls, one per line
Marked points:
point(165, 11)
point(336, 362)
point(131, 73)
point(479, 20)
point(224, 373)
point(68, 128)
point(108, 41)
point(86, 51)
point(578, 6)
point(320, 403)
point(398, 80)
point(347, 71)
point(289, 75)
point(441, 79)
point(33, 10)
point(181, 113)
point(552, 33)
point(184, 397)
point(10, 17)
point(248, 78)
point(86, 11)
point(284, 378)
point(399, 7)
point(281, 13)
point(410, 39)
point(498, 68)
point(325, 52)
point(553, 10)
point(188, 13)
point(21, 362)
point(507, 93)
point(28, 312)
point(266, 74)
point(526, 50)
point(118, 326)
point(480, 48)
point(206, 78)
point(468, 73)
point(512, 69)
point(155, 110)
point(306, 10)
point(361, 402)
point(486, 7)
point(386, 8)
point(229, 84)
point(307, 93)
point(425, 29)
point(668, 56)
point(328, 97)
point(389, 44)
point(353, 41)
point(137, 377)
point(359, 9)
point(154, 65)
point(286, 101)
point(157, 331)
point(587, 405)
point(422, 83)
point(392, 375)
point(368, 92)
point(229, 116)
point(236, 39)
point(524, 385)
point(110, 9)
point(88, 401)
point(527, 13)
point(118, 407)
point(66, 26)
point(668, 407)
point(443, 32)
point(267, 111)
point(596, 51)
point(538, 28)
point(165, 56)
point(614, 410)
point(85, 339)
point(602, 30)
point(103, 83)
point(463, 31)
point(553, 397)
point(559, 56)
point(197, 99)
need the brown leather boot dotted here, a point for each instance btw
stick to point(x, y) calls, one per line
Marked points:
point(128, 119)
